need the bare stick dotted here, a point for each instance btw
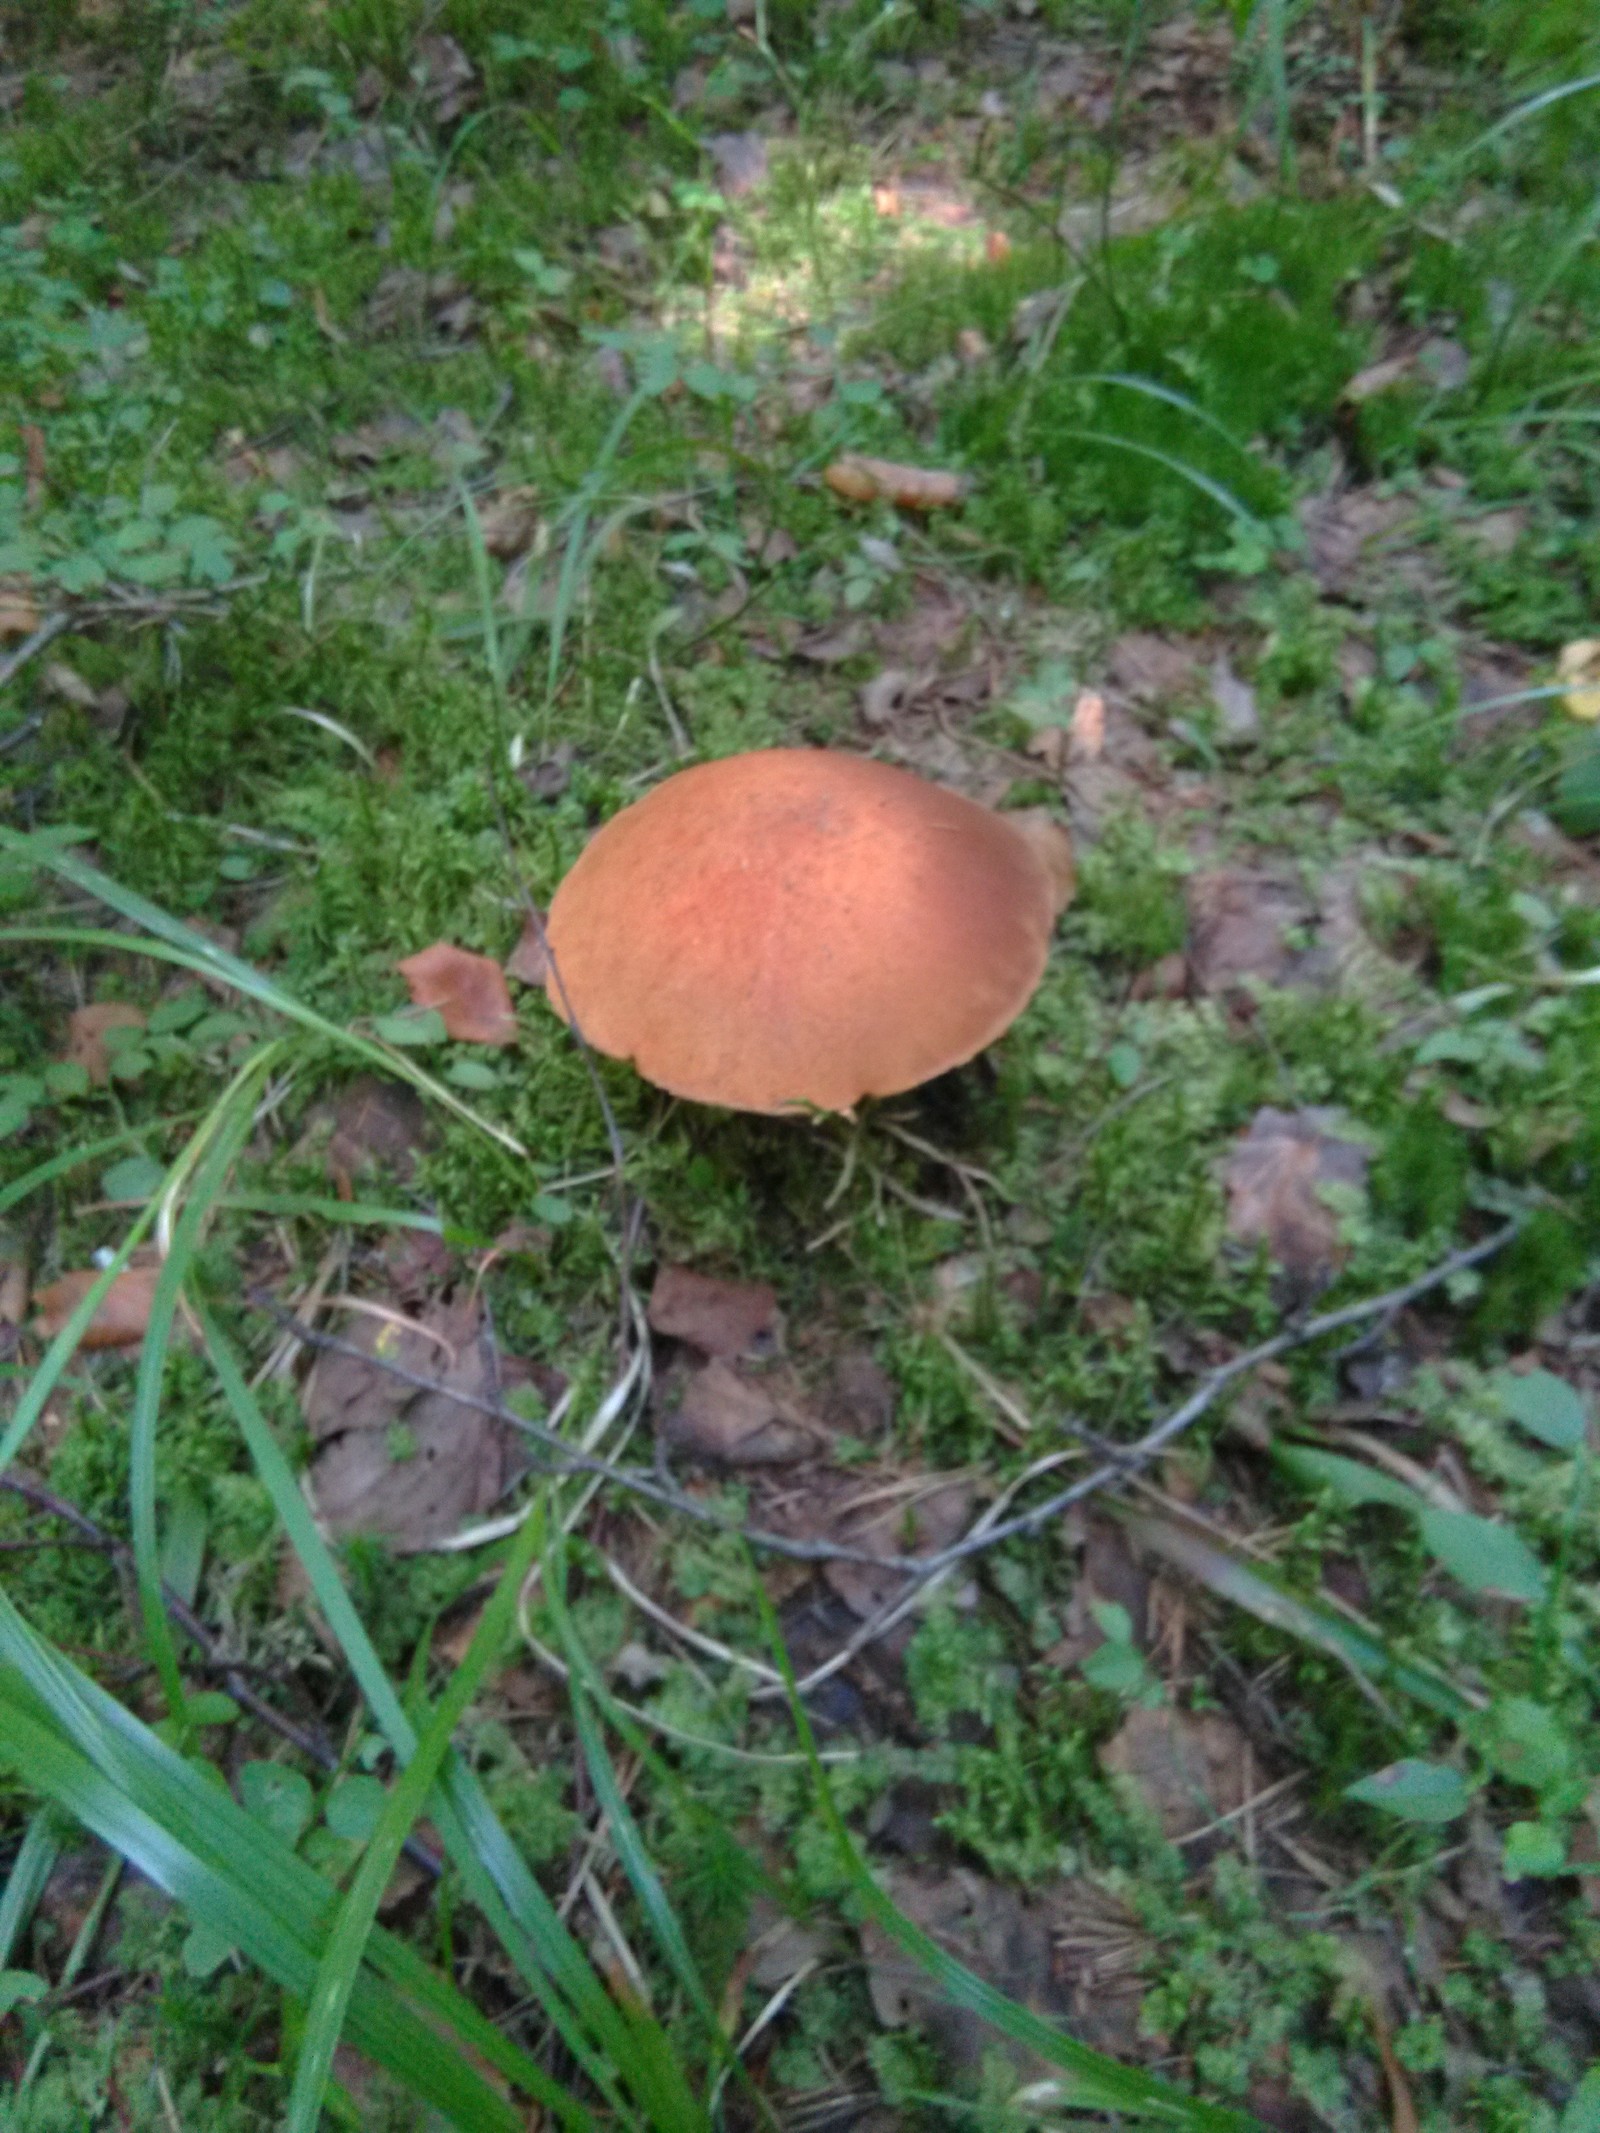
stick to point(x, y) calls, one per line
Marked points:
point(985, 1532)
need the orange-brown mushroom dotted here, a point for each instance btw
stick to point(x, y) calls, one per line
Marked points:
point(799, 927)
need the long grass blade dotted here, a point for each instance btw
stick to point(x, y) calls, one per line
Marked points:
point(83, 1750)
point(1359, 1649)
point(170, 940)
point(30, 1870)
point(1133, 383)
point(70, 1159)
point(226, 1128)
point(65, 1345)
point(1218, 492)
point(342, 1958)
point(1098, 2082)
point(494, 1873)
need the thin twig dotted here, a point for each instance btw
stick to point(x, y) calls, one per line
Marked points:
point(52, 627)
point(310, 1745)
point(985, 1532)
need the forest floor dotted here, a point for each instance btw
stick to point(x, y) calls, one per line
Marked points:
point(414, 429)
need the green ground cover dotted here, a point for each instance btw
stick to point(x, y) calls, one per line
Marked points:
point(413, 424)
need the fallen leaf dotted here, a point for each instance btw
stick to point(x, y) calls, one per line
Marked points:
point(1496, 533)
point(444, 74)
point(1086, 735)
point(67, 683)
point(372, 1122)
point(549, 777)
point(529, 961)
point(864, 481)
point(1048, 745)
point(1238, 717)
point(1239, 926)
point(399, 1461)
point(508, 521)
point(19, 611)
point(740, 159)
point(1276, 1177)
point(830, 647)
point(1149, 669)
point(1187, 1767)
point(468, 990)
point(1349, 533)
point(883, 695)
point(1070, 1952)
point(1578, 670)
point(720, 1318)
point(1377, 378)
point(121, 1316)
point(731, 1420)
point(86, 1035)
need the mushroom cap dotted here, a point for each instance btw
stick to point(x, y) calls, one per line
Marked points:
point(798, 927)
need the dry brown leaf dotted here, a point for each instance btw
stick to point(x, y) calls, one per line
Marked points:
point(1187, 1766)
point(400, 1461)
point(1069, 1952)
point(1239, 927)
point(508, 521)
point(720, 1318)
point(469, 992)
point(19, 611)
point(1149, 668)
point(1238, 715)
point(1086, 736)
point(67, 683)
point(863, 481)
point(121, 1316)
point(372, 1122)
point(1276, 1178)
point(1048, 745)
point(732, 1420)
point(529, 961)
point(741, 161)
point(86, 1035)
point(1349, 531)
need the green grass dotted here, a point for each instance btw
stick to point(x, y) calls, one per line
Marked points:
point(224, 410)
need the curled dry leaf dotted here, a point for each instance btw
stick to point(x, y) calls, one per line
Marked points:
point(864, 481)
point(123, 1312)
point(729, 1419)
point(1277, 1178)
point(404, 1461)
point(529, 961)
point(720, 1318)
point(469, 992)
point(86, 1035)
point(1578, 670)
